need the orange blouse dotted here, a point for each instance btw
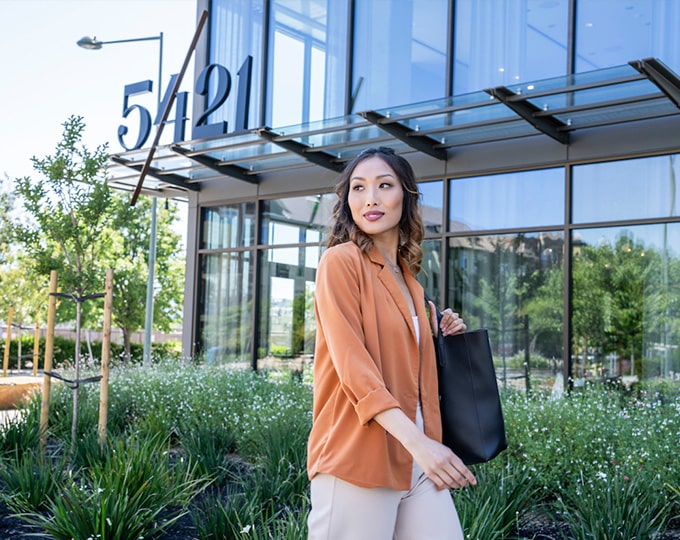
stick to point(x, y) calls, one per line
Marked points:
point(367, 360)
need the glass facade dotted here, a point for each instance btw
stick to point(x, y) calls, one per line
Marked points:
point(400, 52)
point(511, 284)
point(626, 305)
point(508, 41)
point(629, 189)
point(281, 285)
point(307, 60)
point(574, 268)
point(610, 33)
point(528, 199)
point(236, 30)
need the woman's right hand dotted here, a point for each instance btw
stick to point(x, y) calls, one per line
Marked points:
point(441, 465)
point(437, 461)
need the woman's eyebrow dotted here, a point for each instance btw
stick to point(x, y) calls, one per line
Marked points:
point(385, 175)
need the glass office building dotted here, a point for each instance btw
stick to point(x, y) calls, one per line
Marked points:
point(546, 140)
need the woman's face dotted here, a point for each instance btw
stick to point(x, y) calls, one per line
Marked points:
point(375, 198)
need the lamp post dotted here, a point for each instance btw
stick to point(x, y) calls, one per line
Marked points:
point(94, 44)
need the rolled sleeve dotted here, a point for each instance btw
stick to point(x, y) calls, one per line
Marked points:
point(373, 403)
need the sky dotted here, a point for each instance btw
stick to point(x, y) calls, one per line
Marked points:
point(46, 77)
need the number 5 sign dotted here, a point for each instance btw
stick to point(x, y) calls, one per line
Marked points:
point(221, 81)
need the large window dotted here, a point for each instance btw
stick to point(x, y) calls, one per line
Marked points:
point(230, 226)
point(297, 227)
point(307, 61)
point(503, 42)
point(287, 328)
point(527, 199)
point(612, 32)
point(225, 308)
point(625, 190)
point(399, 52)
point(236, 40)
point(225, 294)
point(512, 285)
point(626, 307)
point(432, 205)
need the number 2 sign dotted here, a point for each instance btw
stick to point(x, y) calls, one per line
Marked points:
point(221, 81)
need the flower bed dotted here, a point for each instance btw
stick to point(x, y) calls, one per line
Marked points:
point(227, 447)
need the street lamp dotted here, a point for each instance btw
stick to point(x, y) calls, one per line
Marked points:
point(94, 44)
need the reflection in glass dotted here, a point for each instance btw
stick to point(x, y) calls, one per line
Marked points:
point(626, 305)
point(629, 189)
point(225, 306)
point(523, 199)
point(612, 33)
point(399, 53)
point(287, 328)
point(235, 34)
point(512, 285)
point(229, 226)
point(430, 276)
point(432, 205)
point(307, 61)
point(503, 42)
point(296, 220)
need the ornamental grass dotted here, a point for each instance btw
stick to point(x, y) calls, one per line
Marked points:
point(219, 453)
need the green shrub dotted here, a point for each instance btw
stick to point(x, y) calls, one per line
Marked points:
point(614, 506)
point(134, 493)
point(63, 353)
point(490, 509)
point(208, 445)
point(30, 481)
point(21, 433)
point(245, 433)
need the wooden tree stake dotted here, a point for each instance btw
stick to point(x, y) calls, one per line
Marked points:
point(36, 346)
point(106, 354)
point(47, 366)
point(8, 341)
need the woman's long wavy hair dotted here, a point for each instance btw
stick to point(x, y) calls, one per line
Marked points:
point(411, 229)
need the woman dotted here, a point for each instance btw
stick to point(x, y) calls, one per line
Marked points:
point(377, 468)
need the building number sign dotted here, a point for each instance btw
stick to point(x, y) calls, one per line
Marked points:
point(213, 76)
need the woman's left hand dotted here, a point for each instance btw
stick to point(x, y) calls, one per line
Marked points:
point(451, 322)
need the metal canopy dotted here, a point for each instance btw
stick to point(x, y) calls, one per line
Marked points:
point(318, 157)
point(547, 124)
point(667, 81)
point(411, 137)
point(639, 90)
point(223, 168)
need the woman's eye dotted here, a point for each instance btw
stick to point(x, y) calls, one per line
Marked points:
point(357, 188)
point(385, 185)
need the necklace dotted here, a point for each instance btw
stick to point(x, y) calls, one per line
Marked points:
point(394, 267)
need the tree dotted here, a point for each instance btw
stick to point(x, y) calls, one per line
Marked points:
point(22, 289)
point(69, 234)
point(129, 257)
point(6, 202)
point(544, 306)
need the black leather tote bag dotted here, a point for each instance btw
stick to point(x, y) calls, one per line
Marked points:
point(472, 419)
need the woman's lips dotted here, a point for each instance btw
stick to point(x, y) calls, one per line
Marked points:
point(373, 216)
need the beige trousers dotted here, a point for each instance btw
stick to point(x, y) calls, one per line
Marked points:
point(343, 511)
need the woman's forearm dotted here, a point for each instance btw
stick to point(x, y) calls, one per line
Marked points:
point(437, 461)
